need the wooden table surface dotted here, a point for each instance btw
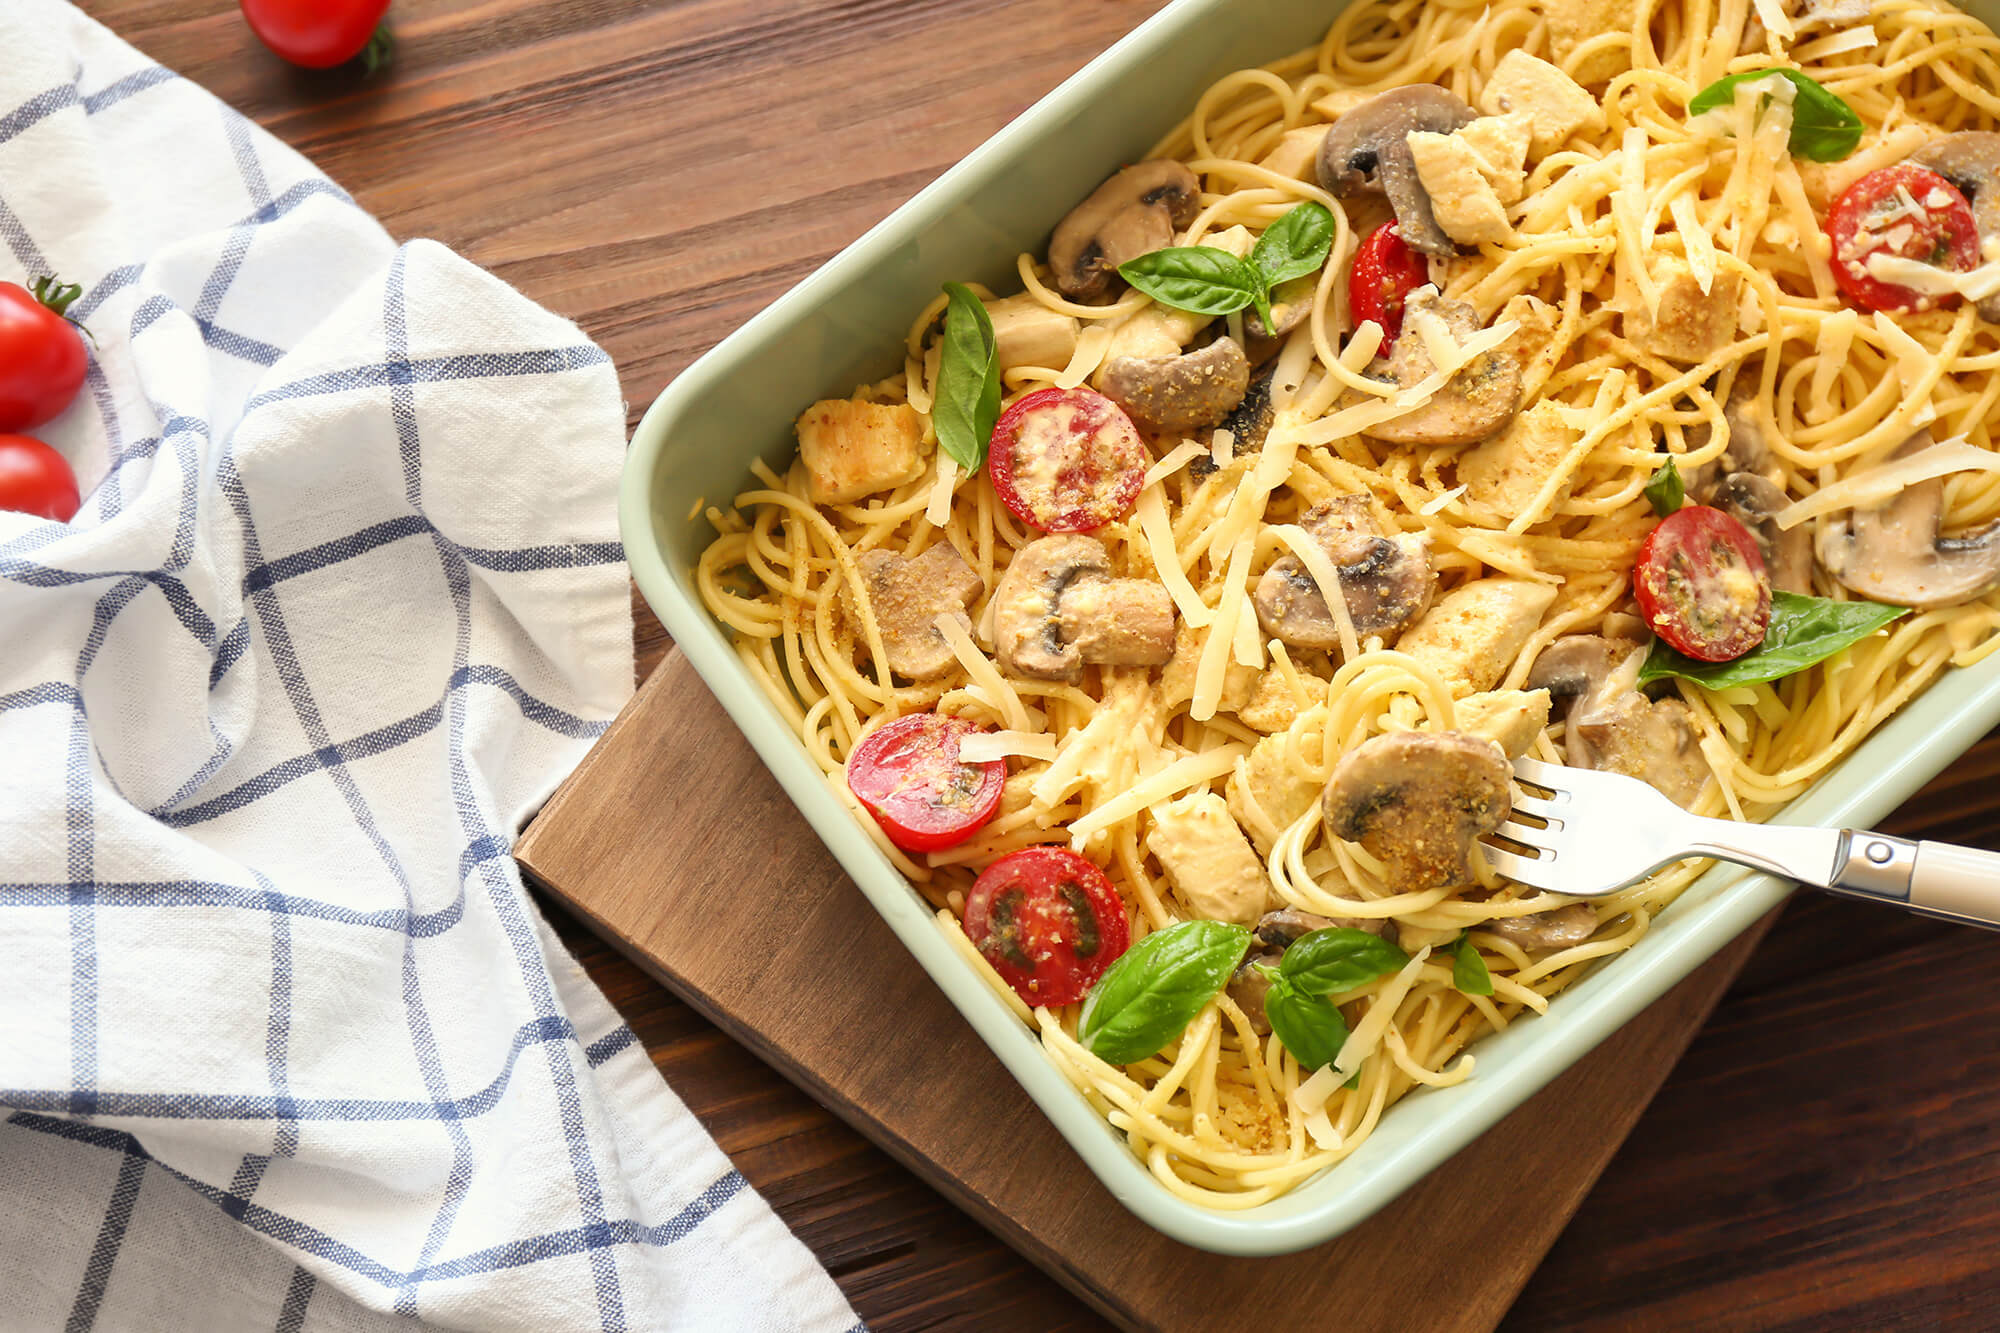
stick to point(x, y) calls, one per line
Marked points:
point(658, 170)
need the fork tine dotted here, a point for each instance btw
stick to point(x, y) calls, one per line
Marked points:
point(1521, 869)
point(1539, 773)
point(1538, 805)
point(1528, 834)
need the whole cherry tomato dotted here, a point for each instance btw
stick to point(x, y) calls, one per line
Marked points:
point(1385, 272)
point(41, 354)
point(1901, 212)
point(1049, 922)
point(1067, 460)
point(909, 776)
point(320, 34)
point(1702, 586)
point(35, 479)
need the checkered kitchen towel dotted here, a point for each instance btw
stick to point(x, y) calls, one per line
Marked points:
point(283, 1045)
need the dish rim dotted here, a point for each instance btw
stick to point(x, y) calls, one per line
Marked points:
point(1903, 754)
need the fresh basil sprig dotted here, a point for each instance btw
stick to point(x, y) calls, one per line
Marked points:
point(1338, 959)
point(1468, 969)
point(1824, 127)
point(1155, 989)
point(1803, 631)
point(1311, 1029)
point(1666, 492)
point(968, 388)
point(1206, 281)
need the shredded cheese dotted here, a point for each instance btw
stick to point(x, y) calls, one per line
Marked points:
point(1929, 280)
point(938, 512)
point(1176, 458)
point(1222, 446)
point(1327, 579)
point(1913, 363)
point(1437, 504)
point(1362, 345)
point(1836, 337)
point(1158, 530)
point(1695, 242)
point(1836, 44)
point(982, 747)
point(1775, 20)
point(984, 674)
point(1091, 345)
point(1186, 772)
point(1367, 1034)
point(1882, 483)
point(1212, 672)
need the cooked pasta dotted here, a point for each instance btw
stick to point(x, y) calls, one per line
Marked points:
point(1661, 283)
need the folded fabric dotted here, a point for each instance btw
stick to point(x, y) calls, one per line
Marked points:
point(283, 1043)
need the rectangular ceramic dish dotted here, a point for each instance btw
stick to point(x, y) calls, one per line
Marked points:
point(845, 325)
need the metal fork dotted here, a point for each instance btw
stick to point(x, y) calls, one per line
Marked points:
point(1594, 833)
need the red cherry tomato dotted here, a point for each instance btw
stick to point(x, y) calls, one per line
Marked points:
point(1048, 921)
point(909, 776)
point(1385, 272)
point(320, 34)
point(1907, 212)
point(41, 354)
point(1067, 460)
point(35, 479)
point(1702, 585)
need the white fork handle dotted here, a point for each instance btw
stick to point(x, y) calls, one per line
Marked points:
point(1931, 878)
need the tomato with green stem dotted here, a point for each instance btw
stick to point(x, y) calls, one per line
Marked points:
point(42, 359)
point(320, 34)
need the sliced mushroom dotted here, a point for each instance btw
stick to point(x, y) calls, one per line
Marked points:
point(1894, 553)
point(1249, 425)
point(1291, 302)
point(1057, 608)
point(1368, 152)
point(1417, 801)
point(1248, 986)
point(1611, 726)
point(1754, 502)
point(1970, 159)
point(908, 594)
point(1745, 452)
point(1175, 395)
point(1385, 581)
point(1133, 213)
point(1479, 400)
point(1539, 932)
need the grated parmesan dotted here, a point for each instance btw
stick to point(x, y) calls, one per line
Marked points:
point(984, 674)
point(1158, 530)
point(1177, 458)
point(1876, 485)
point(983, 747)
point(938, 512)
point(1186, 772)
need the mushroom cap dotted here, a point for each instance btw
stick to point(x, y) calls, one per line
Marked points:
point(1754, 501)
point(1576, 665)
point(1417, 801)
point(1746, 450)
point(1557, 928)
point(1653, 740)
point(1475, 403)
point(1174, 395)
point(1970, 159)
point(1027, 616)
point(1131, 214)
point(1894, 554)
point(1386, 581)
point(1368, 152)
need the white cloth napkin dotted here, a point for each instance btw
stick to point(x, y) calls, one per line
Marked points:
point(283, 1044)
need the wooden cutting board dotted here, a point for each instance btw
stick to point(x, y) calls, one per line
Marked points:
point(673, 842)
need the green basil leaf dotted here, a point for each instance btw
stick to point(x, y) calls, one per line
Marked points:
point(1468, 969)
point(1665, 492)
point(1155, 989)
point(1293, 246)
point(968, 389)
point(1197, 278)
point(1804, 631)
point(1824, 128)
point(1337, 959)
point(1311, 1029)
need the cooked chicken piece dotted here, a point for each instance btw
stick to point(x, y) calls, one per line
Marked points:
point(1507, 471)
point(1690, 324)
point(1417, 801)
point(1239, 682)
point(908, 594)
point(1540, 932)
point(1511, 719)
point(1463, 200)
point(1057, 607)
point(1535, 342)
point(1271, 707)
point(1028, 333)
point(1502, 144)
point(1480, 399)
point(1208, 860)
point(1574, 22)
point(1266, 794)
point(852, 449)
point(1473, 633)
point(1556, 105)
point(1385, 581)
point(1295, 152)
point(1367, 152)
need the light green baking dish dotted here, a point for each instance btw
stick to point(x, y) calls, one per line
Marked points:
point(845, 324)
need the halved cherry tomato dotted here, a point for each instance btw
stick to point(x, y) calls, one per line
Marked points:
point(41, 354)
point(1702, 585)
point(1048, 921)
point(35, 479)
point(1910, 213)
point(909, 776)
point(1385, 272)
point(1067, 460)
